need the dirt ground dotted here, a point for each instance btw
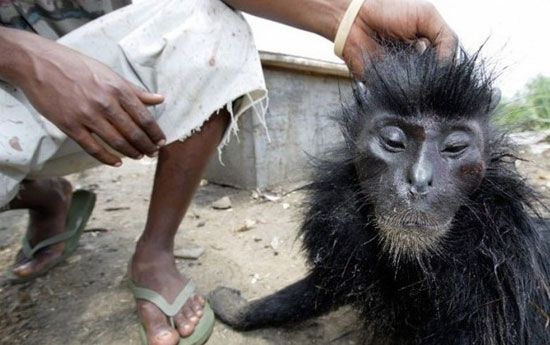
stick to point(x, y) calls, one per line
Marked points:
point(85, 301)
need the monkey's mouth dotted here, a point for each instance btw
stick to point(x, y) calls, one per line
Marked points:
point(411, 221)
point(411, 234)
point(424, 226)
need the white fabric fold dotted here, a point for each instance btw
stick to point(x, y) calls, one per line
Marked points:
point(199, 54)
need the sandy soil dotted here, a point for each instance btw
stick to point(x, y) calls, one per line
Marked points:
point(85, 301)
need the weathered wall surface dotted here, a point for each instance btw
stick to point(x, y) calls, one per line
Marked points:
point(299, 125)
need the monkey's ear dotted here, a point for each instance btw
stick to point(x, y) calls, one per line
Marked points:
point(496, 96)
point(360, 91)
point(359, 86)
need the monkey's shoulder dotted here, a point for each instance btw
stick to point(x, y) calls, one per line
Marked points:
point(336, 218)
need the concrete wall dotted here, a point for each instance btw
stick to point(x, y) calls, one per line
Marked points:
point(301, 102)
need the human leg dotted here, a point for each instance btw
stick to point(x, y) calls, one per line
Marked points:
point(179, 170)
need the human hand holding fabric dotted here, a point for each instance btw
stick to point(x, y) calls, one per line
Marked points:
point(83, 97)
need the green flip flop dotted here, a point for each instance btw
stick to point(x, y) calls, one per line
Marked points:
point(82, 205)
point(205, 326)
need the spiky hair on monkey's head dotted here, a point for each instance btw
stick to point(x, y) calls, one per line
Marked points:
point(407, 83)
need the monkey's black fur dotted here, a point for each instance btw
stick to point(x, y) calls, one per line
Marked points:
point(489, 281)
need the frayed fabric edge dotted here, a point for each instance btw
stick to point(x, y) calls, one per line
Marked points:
point(258, 107)
point(236, 108)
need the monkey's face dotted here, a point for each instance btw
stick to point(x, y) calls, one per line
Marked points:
point(417, 172)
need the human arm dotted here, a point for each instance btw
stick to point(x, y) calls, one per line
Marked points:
point(81, 96)
point(404, 20)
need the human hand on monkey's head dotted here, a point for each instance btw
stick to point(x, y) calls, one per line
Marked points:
point(409, 21)
point(416, 22)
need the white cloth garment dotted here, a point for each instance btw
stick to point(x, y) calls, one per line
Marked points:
point(199, 54)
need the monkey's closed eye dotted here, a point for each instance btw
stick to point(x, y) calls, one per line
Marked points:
point(393, 139)
point(456, 143)
point(455, 150)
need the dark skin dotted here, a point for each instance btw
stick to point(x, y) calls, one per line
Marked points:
point(82, 97)
point(98, 101)
point(420, 163)
point(415, 152)
point(48, 202)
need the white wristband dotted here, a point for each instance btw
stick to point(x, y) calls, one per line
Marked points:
point(345, 26)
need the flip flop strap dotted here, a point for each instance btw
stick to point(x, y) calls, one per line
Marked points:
point(169, 309)
point(29, 251)
point(79, 197)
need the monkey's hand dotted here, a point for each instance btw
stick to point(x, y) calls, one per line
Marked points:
point(295, 303)
point(229, 306)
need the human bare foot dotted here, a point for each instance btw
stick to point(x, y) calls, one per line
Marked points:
point(48, 202)
point(156, 270)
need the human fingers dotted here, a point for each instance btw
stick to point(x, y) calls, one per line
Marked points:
point(146, 97)
point(128, 126)
point(85, 139)
point(359, 52)
point(112, 137)
point(133, 102)
point(432, 26)
point(446, 44)
point(421, 44)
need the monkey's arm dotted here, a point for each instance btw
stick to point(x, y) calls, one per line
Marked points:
point(298, 302)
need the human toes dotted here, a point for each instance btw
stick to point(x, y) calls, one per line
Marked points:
point(159, 331)
point(189, 316)
point(197, 304)
point(25, 268)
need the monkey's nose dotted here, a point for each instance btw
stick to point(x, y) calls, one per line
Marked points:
point(420, 178)
point(418, 191)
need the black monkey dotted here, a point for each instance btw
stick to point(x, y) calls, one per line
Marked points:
point(420, 220)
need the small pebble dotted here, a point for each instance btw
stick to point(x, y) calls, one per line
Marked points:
point(192, 253)
point(74, 259)
point(248, 225)
point(255, 278)
point(222, 204)
point(271, 197)
point(275, 244)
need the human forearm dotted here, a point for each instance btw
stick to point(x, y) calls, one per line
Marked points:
point(408, 21)
point(13, 54)
point(318, 16)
